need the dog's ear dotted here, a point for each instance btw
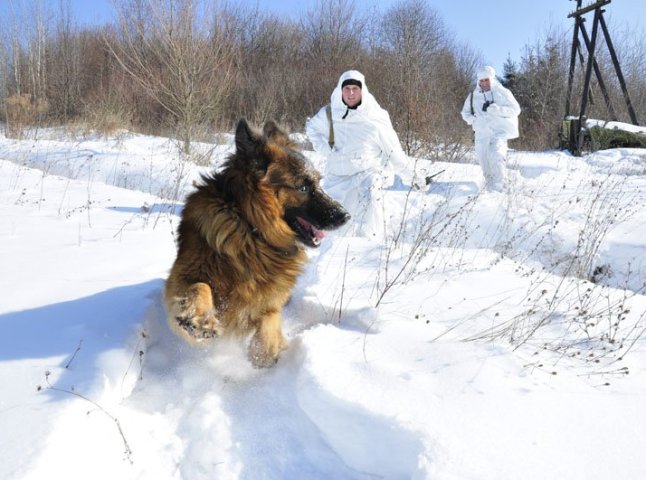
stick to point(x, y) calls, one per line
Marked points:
point(246, 139)
point(249, 147)
point(273, 132)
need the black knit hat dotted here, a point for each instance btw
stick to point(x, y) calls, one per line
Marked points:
point(351, 81)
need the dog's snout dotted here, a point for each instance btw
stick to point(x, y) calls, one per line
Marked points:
point(340, 216)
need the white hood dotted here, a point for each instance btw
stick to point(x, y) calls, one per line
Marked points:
point(368, 107)
point(487, 72)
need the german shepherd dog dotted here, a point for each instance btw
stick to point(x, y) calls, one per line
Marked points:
point(241, 243)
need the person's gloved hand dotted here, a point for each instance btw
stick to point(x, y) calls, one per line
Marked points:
point(479, 113)
point(339, 164)
point(494, 109)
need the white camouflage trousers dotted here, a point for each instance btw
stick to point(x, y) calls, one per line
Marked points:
point(492, 153)
point(361, 195)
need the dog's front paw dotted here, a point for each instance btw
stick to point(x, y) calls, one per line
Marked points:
point(263, 354)
point(200, 327)
point(197, 325)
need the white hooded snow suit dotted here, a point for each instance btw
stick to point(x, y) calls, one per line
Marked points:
point(492, 127)
point(364, 158)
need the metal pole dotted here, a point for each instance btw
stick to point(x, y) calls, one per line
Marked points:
point(586, 84)
point(570, 78)
point(597, 72)
point(579, 50)
point(615, 61)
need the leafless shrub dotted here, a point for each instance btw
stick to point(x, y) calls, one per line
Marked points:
point(602, 203)
point(23, 111)
point(108, 114)
point(563, 312)
point(425, 244)
point(575, 319)
point(180, 61)
point(268, 52)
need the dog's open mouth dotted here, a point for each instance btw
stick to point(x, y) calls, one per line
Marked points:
point(309, 224)
point(310, 235)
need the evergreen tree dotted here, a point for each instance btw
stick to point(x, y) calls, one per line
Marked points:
point(510, 74)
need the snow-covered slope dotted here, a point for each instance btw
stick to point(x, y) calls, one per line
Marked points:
point(473, 348)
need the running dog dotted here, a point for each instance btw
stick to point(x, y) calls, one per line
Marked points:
point(241, 243)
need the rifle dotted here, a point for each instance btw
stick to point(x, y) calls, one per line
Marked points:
point(429, 178)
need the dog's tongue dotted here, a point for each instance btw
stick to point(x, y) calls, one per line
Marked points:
point(316, 233)
point(319, 234)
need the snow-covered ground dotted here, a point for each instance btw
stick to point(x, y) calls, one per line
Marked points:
point(474, 347)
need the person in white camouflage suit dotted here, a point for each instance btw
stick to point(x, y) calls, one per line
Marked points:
point(363, 153)
point(492, 111)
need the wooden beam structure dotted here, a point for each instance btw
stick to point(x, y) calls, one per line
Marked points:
point(575, 141)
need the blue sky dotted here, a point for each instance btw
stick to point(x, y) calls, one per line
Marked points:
point(494, 27)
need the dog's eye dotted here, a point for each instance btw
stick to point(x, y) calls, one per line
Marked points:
point(304, 189)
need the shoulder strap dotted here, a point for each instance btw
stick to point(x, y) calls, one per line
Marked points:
point(328, 111)
point(472, 111)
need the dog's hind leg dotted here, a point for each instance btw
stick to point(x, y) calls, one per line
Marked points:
point(191, 315)
point(268, 341)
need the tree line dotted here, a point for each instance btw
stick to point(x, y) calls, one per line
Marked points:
point(189, 68)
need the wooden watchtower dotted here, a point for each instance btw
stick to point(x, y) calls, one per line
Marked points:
point(572, 131)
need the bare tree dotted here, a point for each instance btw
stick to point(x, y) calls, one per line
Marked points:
point(333, 30)
point(269, 53)
point(183, 62)
point(37, 50)
point(417, 79)
point(16, 48)
point(63, 69)
point(411, 36)
point(4, 73)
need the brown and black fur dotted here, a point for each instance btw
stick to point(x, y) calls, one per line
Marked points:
point(241, 243)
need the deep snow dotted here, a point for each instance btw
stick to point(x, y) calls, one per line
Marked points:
point(473, 348)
